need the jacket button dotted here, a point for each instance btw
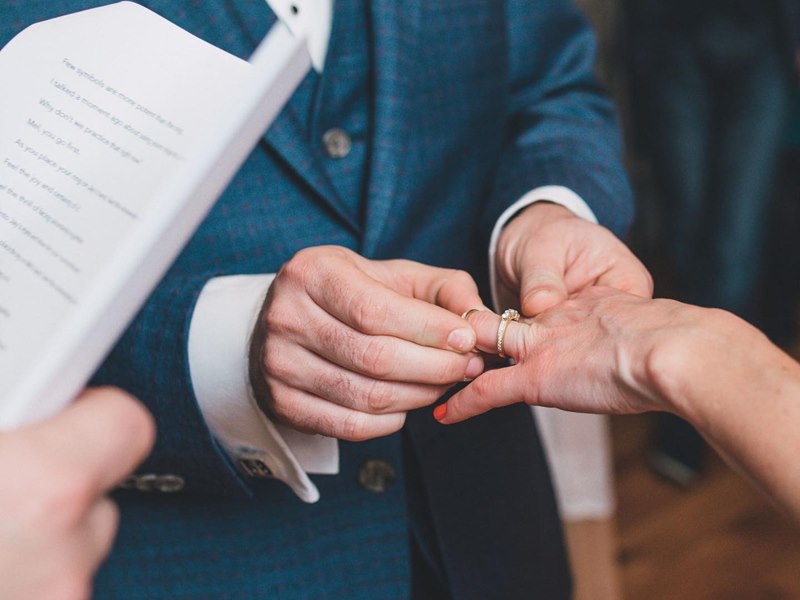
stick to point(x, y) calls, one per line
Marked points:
point(145, 483)
point(150, 482)
point(337, 143)
point(169, 484)
point(376, 476)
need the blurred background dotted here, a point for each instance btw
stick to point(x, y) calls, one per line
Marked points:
point(709, 100)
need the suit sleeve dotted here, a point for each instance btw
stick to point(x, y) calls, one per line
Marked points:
point(151, 362)
point(561, 128)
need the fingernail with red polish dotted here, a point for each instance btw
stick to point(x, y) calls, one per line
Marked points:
point(474, 368)
point(462, 340)
point(440, 412)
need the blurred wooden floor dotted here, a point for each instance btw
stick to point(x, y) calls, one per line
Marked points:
point(720, 540)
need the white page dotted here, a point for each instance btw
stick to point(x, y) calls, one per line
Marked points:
point(118, 130)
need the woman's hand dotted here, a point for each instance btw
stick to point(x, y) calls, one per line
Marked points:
point(602, 351)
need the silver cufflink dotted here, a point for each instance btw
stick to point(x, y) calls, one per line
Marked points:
point(255, 468)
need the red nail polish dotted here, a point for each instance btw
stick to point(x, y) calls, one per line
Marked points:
point(440, 412)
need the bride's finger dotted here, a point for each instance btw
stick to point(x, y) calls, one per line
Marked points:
point(493, 389)
point(487, 324)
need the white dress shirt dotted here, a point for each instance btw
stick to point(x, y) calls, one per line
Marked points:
point(228, 307)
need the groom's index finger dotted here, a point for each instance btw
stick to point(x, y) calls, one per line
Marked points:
point(385, 308)
point(453, 290)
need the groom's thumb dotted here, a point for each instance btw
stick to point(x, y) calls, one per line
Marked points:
point(541, 287)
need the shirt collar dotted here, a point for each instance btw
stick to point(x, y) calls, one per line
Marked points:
point(311, 19)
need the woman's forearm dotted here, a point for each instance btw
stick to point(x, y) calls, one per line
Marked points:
point(742, 394)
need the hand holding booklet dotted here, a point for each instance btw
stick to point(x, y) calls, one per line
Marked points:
point(118, 131)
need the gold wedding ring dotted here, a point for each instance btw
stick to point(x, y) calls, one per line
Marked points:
point(508, 315)
point(466, 314)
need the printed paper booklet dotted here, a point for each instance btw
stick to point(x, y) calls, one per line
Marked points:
point(118, 131)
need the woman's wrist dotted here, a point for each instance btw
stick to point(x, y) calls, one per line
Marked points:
point(705, 361)
point(685, 354)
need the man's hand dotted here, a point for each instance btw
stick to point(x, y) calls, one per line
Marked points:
point(547, 253)
point(346, 346)
point(56, 525)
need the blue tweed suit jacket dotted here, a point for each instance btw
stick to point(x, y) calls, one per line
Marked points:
point(474, 103)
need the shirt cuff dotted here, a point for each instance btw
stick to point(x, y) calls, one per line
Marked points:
point(219, 341)
point(547, 193)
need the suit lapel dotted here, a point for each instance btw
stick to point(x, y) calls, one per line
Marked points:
point(287, 138)
point(392, 61)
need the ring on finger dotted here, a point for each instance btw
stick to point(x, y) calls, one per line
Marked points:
point(467, 313)
point(508, 315)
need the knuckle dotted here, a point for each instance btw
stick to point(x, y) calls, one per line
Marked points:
point(323, 424)
point(431, 329)
point(286, 409)
point(277, 367)
point(333, 335)
point(462, 278)
point(283, 409)
point(290, 271)
point(354, 427)
point(279, 315)
point(274, 329)
point(298, 269)
point(272, 319)
point(334, 386)
point(369, 316)
point(345, 345)
point(452, 369)
point(482, 387)
point(302, 260)
point(376, 358)
point(379, 398)
point(312, 424)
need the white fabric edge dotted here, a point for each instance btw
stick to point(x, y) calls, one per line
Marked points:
point(309, 19)
point(219, 337)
